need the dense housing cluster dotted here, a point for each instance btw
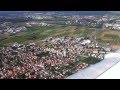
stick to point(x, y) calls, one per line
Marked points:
point(57, 58)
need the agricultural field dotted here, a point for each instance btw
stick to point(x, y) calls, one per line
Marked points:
point(112, 37)
point(37, 34)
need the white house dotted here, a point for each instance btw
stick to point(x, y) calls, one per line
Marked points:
point(87, 41)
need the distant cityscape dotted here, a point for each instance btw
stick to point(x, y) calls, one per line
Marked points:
point(8, 25)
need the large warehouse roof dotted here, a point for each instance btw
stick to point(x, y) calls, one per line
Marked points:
point(109, 68)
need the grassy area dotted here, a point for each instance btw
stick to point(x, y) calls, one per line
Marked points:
point(23, 36)
point(60, 30)
point(110, 36)
point(44, 32)
point(89, 60)
point(83, 31)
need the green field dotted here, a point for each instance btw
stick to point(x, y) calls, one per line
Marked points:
point(110, 36)
point(44, 32)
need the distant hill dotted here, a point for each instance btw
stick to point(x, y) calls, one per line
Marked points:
point(88, 12)
point(63, 12)
point(8, 12)
point(115, 12)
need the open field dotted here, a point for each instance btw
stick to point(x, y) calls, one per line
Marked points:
point(112, 37)
point(44, 32)
point(60, 30)
point(115, 47)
